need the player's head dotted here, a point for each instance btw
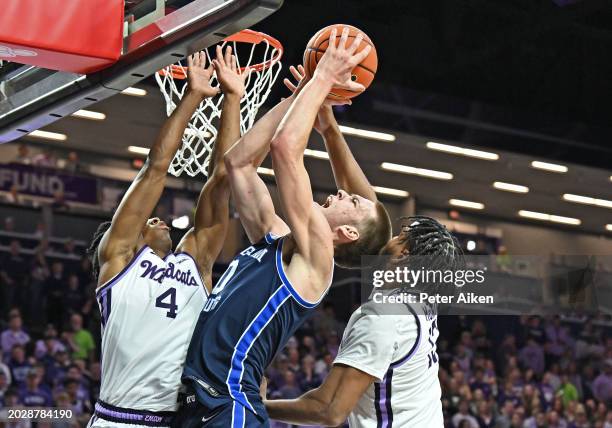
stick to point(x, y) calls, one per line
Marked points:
point(155, 233)
point(424, 236)
point(361, 227)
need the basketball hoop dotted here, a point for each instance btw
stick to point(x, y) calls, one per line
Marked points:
point(200, 135)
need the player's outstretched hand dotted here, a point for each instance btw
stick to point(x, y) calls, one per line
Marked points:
point(339, 59)
point(229, 75)
point(299, 74)
point(199, 76)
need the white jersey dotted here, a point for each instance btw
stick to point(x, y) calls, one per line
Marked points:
point(149, 311)
point(396, 344)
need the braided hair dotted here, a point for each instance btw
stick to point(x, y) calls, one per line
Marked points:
point(431, 246)
point(92, 251)
point(429, 238)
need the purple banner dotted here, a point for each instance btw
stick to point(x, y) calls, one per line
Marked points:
point(40, 181)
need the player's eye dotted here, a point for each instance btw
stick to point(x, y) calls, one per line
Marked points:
point(355, 201)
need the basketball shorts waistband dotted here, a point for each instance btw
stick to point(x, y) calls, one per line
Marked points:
point(131, 416)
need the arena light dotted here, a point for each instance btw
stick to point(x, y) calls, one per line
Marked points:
point(509, 187)
point(461, 151)
point(319, 154)
point(546, 166)
point(46, 135)
point(88, 114)
point(134, 92)
point(181, 222)
point(587, 200)
point(265, 171)
point(609, 227)
point(471, 245)
point(138, 150)
point(364, 133)
point(549, 217)
point(405, 169)
point(392, 192)
point(466, 204)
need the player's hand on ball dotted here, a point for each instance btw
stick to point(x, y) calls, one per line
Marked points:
point(339, 60)
point(229, 75)
point(199, 76)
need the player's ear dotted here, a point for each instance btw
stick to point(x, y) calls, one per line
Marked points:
point(346, 234)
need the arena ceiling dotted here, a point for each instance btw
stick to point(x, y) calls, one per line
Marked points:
point(528, 65)
point(136, 121)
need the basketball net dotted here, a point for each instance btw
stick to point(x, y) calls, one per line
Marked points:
point(201, 133)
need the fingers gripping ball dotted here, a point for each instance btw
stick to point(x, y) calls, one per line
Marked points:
point(362, 73)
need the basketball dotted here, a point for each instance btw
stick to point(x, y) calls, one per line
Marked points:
point(363, 73)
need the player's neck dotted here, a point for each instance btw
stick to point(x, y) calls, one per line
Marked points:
point(161, 251)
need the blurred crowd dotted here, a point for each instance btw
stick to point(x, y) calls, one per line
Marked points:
point(523, 372)
point(520, 372)
point(47, 158)
point(49, 329)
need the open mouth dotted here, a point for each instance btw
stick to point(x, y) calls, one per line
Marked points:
point(327, 202)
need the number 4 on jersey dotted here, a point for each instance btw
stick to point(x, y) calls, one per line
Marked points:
point(169, 294)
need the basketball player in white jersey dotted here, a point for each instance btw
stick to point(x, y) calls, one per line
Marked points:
point(149, 296)
point(386, 372)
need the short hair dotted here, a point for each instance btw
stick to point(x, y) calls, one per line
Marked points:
point(373, 235)
point(92, 251)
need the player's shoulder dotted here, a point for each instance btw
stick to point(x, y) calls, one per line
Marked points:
point(375, 317)
point(381, 307)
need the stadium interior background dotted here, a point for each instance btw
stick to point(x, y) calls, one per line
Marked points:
point(527, 80)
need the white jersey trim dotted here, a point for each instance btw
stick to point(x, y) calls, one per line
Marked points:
point(125, 270)
point(197, 270)
point(285, 280)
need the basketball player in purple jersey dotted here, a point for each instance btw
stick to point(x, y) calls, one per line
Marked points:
point(150, 297)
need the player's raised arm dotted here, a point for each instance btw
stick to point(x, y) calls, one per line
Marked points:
point(347, 173)
point(205, 240)
point(250, 194)
point(120, 241)
point(309, 228)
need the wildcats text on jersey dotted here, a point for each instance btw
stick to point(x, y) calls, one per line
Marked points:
point(159, 273)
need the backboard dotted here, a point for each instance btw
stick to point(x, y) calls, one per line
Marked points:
point(157, 34)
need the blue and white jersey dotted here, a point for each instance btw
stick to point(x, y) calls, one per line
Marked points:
point(250, 315)
point(149, 311)
point(396, 344)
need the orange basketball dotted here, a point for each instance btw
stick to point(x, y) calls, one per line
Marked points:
point(363, 73)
